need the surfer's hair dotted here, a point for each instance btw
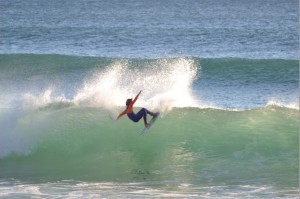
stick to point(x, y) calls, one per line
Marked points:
point(128, 101)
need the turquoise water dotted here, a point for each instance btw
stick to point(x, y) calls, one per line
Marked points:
point(189, 147)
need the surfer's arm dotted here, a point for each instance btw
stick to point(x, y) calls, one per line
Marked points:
point(121, 114)
point(136, 97)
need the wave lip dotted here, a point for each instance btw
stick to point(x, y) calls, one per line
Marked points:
point(290, 105)
point(165, 84)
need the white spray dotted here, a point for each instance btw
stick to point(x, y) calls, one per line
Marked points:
point(165, 84)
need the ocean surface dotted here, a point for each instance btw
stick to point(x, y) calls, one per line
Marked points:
point(224, 74)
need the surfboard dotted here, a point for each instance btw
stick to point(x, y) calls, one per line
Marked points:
point(152, 121)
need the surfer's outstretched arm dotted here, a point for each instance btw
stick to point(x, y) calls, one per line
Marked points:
point(121, 114)
point(136, 97)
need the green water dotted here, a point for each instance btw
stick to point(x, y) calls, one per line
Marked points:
point(198, 146)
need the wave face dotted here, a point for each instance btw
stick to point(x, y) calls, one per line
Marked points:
point(194, 147)
point(227, 124)
point(203, 145)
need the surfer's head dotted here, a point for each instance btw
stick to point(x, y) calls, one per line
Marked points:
point(128, 101)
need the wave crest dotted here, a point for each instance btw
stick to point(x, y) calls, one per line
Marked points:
point(279, 103)
point(165, 84)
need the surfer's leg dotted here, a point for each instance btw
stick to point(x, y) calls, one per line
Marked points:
point(133, 117)
point(143, 113)
point(149, 112)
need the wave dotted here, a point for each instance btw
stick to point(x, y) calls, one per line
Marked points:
point(202, 145)
point(165, 83)
point(227, 83)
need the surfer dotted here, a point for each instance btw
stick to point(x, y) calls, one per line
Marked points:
point(136, 117)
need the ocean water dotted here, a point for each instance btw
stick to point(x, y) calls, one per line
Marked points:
point(140, 28)
point(223, 74)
